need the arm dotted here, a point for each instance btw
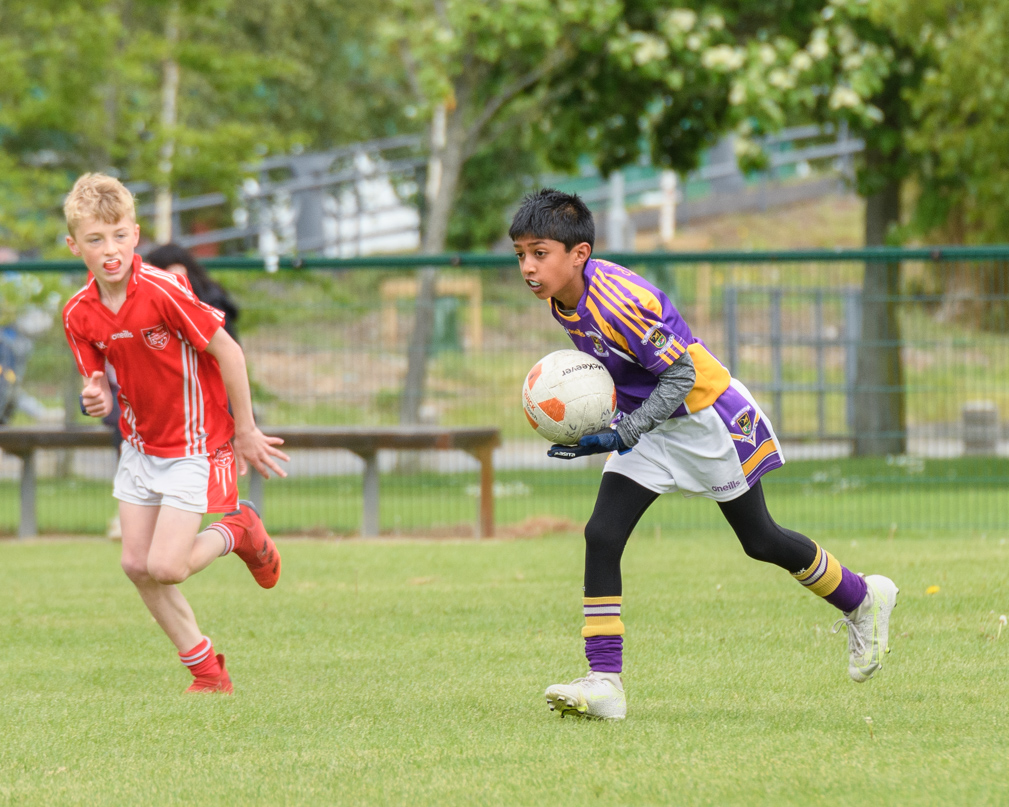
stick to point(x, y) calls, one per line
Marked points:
point(673, 385)
point(250, 443)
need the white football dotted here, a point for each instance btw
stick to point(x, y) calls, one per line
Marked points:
point(568, 394)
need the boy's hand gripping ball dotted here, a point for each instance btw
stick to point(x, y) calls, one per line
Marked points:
point(567, 395)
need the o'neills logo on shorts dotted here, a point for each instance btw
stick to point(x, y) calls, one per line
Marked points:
point(724, 488)
point(156, 337)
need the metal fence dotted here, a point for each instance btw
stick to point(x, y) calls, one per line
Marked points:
point(326, 342)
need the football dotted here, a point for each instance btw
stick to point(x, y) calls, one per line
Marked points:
point(568, 394)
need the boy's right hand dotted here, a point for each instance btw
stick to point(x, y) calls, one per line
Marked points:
point(96, 397)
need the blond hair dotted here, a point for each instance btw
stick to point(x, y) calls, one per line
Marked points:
point(98, 196)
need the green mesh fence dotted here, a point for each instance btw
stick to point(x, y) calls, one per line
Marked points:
point(890, 393)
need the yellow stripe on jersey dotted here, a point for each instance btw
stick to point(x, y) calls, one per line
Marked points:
point(643, 296)
point(640, 298)
point(711, 379)
point(608, 330)
point(645, 299)
point(605, 297)
point(626, 309)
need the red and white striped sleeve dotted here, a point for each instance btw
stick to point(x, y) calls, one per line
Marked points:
point(183, 312)
point(89, 359)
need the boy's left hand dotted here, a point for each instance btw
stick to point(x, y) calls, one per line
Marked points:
point(256, 448)
point(602, 443)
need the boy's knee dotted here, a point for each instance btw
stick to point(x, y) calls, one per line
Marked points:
point(598, 537)
point(135, 568)
point(167, 573)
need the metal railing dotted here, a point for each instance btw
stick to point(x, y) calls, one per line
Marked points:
point(352, 200)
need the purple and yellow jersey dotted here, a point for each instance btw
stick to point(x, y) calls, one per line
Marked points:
point(632, 327)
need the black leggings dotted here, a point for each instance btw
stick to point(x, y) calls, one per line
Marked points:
point(621, 503)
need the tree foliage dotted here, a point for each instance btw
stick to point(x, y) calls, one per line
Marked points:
point(83, 81)
point(962, 115)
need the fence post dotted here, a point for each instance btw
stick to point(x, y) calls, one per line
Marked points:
point(731, 332)
point(667, 211)
point(821, 381)
point(616, 215)
point(852, 333)
point(777, 379)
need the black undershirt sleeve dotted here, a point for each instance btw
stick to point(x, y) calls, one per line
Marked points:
point(674, 384)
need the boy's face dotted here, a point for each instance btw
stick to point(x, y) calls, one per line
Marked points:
point(550, 270)
point(107, 249)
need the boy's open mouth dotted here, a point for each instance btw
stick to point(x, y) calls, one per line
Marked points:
point(111, 266)
point(533, 284)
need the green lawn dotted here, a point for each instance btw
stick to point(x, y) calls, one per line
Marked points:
point(412, 673)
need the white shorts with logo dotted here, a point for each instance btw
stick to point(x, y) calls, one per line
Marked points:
point(719, 452)
point(199, 484)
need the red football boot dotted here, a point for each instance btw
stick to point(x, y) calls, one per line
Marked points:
point(217, 683)
point(253, 545)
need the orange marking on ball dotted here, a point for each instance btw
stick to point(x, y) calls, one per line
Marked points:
point(613, 403)
point(529, 417)
point(534, 374)
point(553, 409)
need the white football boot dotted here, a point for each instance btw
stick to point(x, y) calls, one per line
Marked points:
point(598, 695)
point(869, 628)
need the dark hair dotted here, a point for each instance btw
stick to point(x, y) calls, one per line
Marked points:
point(167, 254)
point(556, 215)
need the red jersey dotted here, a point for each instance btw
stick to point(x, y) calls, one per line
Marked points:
point(171, 392)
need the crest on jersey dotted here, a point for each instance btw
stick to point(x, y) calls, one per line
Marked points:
point(156, 337)
point(744, 422)
point(597, 345)
point(223, 457)
point(658, 340)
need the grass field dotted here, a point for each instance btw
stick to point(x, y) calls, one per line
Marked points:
point(412, 673)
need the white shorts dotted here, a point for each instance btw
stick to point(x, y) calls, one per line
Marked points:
point(200, 484)
point(718, 453)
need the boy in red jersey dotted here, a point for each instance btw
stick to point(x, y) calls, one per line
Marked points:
point(177, 369)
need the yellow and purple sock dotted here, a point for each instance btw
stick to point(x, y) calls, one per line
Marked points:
point(603, 633)
point(835, 583)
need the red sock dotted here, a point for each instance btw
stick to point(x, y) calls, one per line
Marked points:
point(201, 661)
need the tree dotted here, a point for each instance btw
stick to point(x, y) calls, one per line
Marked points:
point(477, 69)
point(963, 170)
point(855, 67)
point(88, 85)
point(566, 79)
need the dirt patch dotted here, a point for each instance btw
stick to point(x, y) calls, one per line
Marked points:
point(537, 526)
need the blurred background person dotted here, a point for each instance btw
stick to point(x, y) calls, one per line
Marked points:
point(173, 258)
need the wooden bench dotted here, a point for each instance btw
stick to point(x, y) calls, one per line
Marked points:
point(363, 441)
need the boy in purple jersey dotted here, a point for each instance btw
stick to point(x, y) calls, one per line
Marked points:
point(685, 425)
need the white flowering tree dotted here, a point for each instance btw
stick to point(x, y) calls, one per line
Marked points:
point(672, 80)
point(607, 78)
point(860, 66)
